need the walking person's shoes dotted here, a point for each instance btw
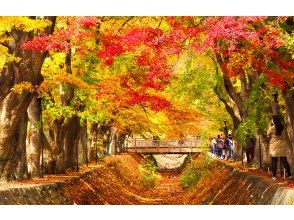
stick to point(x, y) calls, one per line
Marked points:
point(290, 178)
point(274, 178)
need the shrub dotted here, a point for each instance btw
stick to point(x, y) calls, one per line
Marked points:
point(149, 175)
point(195, 171)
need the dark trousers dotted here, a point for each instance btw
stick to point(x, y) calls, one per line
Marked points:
point(249, 154)
point(220, 152)
point(275, 165)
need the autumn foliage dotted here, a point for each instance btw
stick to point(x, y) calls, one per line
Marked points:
point(240, 45)
point(249, 44)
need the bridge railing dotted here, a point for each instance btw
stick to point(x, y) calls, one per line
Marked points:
point(140, 143)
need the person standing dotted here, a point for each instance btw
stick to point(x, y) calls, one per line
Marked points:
point(213, 146)
point(249, 149)
point(279, 146)
point(227, 147)
point(231, 146)
point(220, 146)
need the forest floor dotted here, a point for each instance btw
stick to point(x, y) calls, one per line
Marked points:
point(47, 179)
point(168, 190)
point(121, 183)
point(117, 181)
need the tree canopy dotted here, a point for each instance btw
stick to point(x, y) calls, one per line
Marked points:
point(165, 76)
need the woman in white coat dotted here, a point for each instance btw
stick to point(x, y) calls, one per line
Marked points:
point(279, 146)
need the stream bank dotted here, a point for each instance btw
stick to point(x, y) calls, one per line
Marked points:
point(116, 180)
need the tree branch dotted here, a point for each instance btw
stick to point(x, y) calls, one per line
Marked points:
point(10, 49)
point(229, 109)
point(126, 21)
point(230, 89)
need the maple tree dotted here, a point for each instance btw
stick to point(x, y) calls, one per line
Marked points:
point(18, 66)
point(111, 77)
point(64, 73)
point(245, 48)
point(249, 48)
point(64, 89)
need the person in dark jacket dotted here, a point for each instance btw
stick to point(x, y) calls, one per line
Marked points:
point(220, 146)
point(249, 149)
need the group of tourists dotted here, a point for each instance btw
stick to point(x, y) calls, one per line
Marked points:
point(279, 146)
point(223, 147)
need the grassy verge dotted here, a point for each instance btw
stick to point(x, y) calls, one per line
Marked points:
point(149, 175)
point(195, 171)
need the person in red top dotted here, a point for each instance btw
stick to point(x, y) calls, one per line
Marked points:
point(220, 145)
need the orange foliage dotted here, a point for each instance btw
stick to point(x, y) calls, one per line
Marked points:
point(182, 122)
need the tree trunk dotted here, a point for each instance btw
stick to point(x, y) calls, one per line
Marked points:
point(230, 106)
point(241, 100)
point(261, 152)
point(92, 152)
point(289, 102)
point(58, 150)
point(15, 167)
point(264, 150)
point(34, 138)
point(231, 91)
point(14, 105)
point(120, 142)
point(70, 138)
point(20, 169)
point(83, 148)
point(12, 110)
point(65, 130)
point(111, 148)
point(107, 133)
point(230, 110)
point(48, 157)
